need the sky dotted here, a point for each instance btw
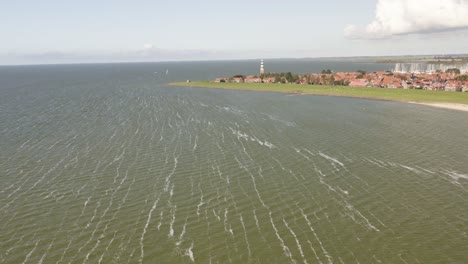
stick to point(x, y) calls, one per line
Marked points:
point(65, 31)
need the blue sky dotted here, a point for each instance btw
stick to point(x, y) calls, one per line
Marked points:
point(52, 31)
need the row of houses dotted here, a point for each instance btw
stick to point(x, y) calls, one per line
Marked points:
point(435, 82)
point(247, 79)
point(383, 79)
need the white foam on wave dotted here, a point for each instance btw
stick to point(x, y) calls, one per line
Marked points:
point(286, 250)
point(455, 175)
point(333, 160)
point(161, 217)
point(326, 184)
point(256, 219)
point(343, 191)
point(171, 224)
point(302, 154)
point(171, 192)
point(299, 246)
point(145, 228)
point(26, 142)
point(253, 182)
point(232, 110)
point(94, 215)
point(411, 169)
point(181, 236)
point(244, 136)
point(107, 248)
point(353, 210)
point(325, 252)
point(195, 145)
point(200, 205)
point(284, 122)
point(168, 178)
point(189, 253)
point(216, 215)
point(426, 170)
point(30, 252)
point(245, 236)
point(308, 151)
point(375, 163)
point(226, 228)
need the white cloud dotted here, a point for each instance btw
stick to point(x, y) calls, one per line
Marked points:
point(402, 17)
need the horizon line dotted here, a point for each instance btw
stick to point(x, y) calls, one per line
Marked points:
point(244, 59)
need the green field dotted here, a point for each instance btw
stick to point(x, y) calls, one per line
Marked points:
point(421, 96)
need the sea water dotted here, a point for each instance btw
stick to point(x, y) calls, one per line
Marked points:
point(105, 163)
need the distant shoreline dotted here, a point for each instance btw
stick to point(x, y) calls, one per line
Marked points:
point(451, 106)
point(447, 100)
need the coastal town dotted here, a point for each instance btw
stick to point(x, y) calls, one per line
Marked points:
point(450, 80)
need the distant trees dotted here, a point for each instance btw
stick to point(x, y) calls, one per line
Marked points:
point(453, 71)
point(239, 76)
point(277, 79)
point(289, 77)
point(341, 82)
point(283, 77)
point(327, 71)
point(313, 79)
point(463, 78)
point(361, 74)
point(403, 77)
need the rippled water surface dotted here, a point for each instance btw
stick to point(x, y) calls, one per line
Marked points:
point(106, 164)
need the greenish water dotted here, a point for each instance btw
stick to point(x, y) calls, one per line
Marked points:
point(105, 164)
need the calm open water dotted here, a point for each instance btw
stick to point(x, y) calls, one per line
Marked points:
point(106, 164)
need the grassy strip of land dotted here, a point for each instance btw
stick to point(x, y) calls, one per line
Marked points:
point(420, 96)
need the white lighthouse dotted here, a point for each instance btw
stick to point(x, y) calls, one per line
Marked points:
point(262, 69)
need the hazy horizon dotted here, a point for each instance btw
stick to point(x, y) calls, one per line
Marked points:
point(329, 58)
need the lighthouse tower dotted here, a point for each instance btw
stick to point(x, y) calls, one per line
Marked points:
point(262, 69)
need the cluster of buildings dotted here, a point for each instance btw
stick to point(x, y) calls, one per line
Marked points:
point(437, 81)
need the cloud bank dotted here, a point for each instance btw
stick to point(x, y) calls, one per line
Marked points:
point(146, 53)
point(403, 17)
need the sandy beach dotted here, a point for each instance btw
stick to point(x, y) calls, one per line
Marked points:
point(452, 106)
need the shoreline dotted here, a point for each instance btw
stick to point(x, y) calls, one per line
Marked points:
point(429, 98)
point(451, 106)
